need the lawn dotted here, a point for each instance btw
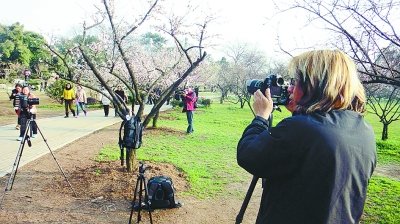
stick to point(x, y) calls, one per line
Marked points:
point(208, 157)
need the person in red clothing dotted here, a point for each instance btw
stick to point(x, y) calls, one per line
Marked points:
point(190, 99)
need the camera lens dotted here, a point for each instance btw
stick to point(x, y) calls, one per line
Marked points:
point(280, 81)
point(253, 85)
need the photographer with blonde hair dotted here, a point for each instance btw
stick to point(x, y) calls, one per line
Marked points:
point(318, 162)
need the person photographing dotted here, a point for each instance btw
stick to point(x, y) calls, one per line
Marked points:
point(27, 111)
point(189, 99)
point(318, 162)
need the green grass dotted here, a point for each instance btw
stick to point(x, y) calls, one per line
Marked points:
point(382, 202)
point(208, 157)
point(388, 150)
point(108, 153)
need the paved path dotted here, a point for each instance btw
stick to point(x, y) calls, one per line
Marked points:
point(58, 131)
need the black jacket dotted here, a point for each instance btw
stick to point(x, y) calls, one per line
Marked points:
point(316, 167)
point(15, 97)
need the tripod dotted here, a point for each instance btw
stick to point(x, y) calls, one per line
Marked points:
point(239, 217)
point(27, 139)
point(140, 187)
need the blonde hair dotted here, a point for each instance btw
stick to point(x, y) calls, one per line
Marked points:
point(329, 81)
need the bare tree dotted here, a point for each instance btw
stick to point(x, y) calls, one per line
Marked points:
point(115, 57)
point(367, 31)
point(245, 63)
point(224, 79)
point(364, 29)
point(384, 101)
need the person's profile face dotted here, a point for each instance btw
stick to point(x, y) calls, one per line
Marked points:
point(18, 88)
point(297, 92)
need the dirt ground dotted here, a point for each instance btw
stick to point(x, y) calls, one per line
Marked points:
point(40, 193)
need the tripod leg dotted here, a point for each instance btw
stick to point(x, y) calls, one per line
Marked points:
point(239, 217)
point(55, 159)
point(147, 200)
point(139, 217)
point(14, 170)
point(19, 155)
point(133, 201)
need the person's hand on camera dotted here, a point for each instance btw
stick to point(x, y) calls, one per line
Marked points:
point(263, 105)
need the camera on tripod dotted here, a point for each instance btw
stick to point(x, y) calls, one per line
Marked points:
point(26, 102)
point(142, 168)
point(277, 86)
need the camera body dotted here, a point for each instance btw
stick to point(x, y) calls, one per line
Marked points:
point(276, 84)
point(26, 102)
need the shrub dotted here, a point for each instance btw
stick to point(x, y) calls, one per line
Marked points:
point(176, 103)
point(91, 101)
point(55, 90)
point(4, 81)
point(34, 82)
point(204, 102)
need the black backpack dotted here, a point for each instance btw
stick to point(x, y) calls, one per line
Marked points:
point(162, 192)
point(133, 129)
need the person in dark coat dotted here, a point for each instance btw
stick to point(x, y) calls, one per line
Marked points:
point(316, 164)
point(26, 113)
point(121, 94)
point(15, 93)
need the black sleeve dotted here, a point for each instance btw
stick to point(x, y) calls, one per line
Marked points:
point(270, 153)
point(13, 94)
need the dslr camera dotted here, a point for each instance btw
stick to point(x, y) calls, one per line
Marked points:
point(26, 102)
point(277, 86)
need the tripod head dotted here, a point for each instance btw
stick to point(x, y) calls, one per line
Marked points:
point(142, 168)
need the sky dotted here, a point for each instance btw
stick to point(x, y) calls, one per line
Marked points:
point(253, 22)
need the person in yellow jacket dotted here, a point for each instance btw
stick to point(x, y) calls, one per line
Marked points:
point(69, 97)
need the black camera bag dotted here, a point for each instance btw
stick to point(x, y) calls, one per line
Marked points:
point(133, 129)
point(162, 192)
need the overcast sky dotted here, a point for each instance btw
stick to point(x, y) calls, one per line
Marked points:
point(252, 21)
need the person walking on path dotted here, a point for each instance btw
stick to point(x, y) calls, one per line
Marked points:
point(120, 92)
point(189, 101)
point(15, 93)
point(105, 101)
point(81, 100)
point(26, 111)
point(69, 97)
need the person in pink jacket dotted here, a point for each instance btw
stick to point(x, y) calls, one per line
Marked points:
point(81, 100)
point(190, 99)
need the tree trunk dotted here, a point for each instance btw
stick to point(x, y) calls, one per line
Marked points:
point(385, 131)
point(141, 109)
point(242, 102)
point(155, 119)
point(131, 161)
